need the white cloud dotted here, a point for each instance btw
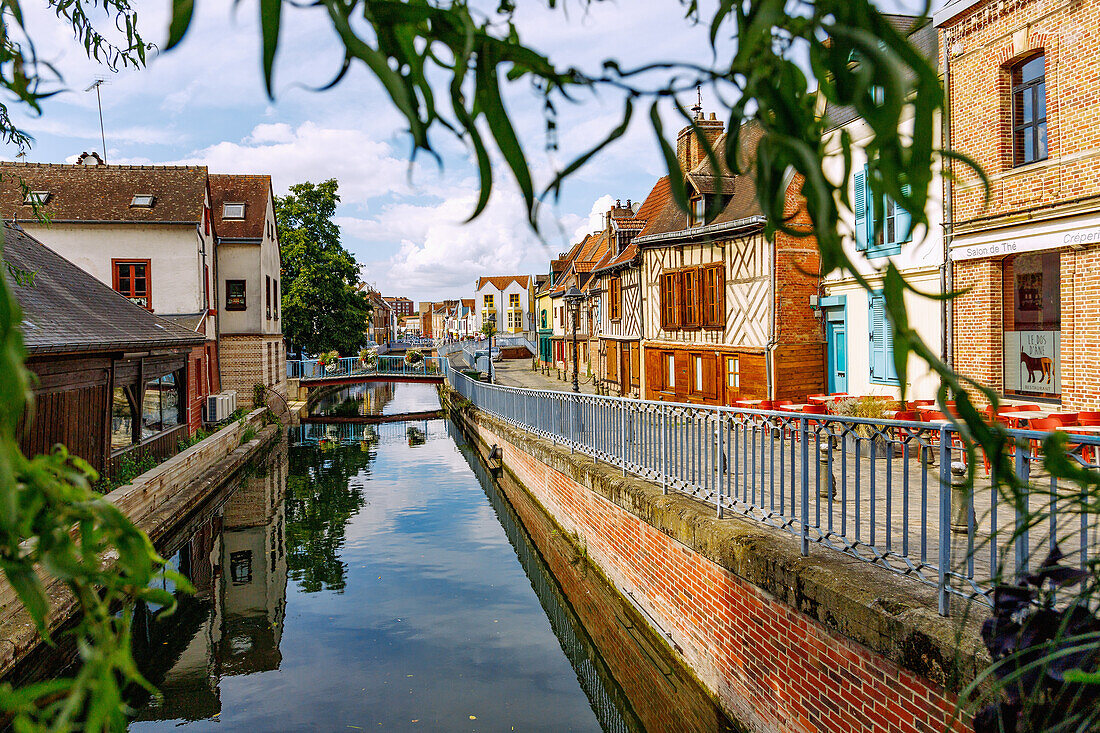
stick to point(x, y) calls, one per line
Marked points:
point(595, 220)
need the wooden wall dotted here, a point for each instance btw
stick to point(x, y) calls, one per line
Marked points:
point(71, 406)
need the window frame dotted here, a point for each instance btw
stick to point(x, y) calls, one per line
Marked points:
point(670, 300)
point(115, 279)
point(148, 200)
point(713, 295)
point(690, 299)
point(41, 198)
point(227, 215)
point(268, 295)
point(615, 298)
point(1020, 129)
point(229, 304)
point(887, 346)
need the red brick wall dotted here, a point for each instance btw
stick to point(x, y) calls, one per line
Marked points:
point(1081, 329)
point(978, 318)
point(771, 667)
point(991, 38)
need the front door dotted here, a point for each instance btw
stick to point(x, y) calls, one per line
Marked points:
point(836, 337)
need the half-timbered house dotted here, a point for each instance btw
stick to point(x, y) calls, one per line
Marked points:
point(727, 313)
point(582, 260)
point(620, 292)
point(111, 379)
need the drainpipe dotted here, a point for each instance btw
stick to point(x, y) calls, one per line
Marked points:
point(947, 270)
point(769, 348)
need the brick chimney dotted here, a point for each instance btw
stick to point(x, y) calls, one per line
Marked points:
point(688, 150)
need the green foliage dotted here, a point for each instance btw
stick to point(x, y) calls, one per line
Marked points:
point(259, 395)
point(130, 466)
point(322, 308)
point(489, 328)
point(248, 435)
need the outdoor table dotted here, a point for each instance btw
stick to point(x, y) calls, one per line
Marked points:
point(794, 408)
point(1015, 418)
point(750, 404)
point(823, 400)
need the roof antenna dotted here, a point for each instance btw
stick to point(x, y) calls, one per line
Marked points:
point(102, 137)
point(698, 108)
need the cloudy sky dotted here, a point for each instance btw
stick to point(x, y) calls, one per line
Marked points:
point(204, 103)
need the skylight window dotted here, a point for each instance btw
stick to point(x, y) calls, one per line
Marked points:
point(232, 211)
point(36, 197)
point(143, 201)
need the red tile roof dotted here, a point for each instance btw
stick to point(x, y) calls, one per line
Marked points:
point(253, 192)
point(105, 192)
point(500, 282)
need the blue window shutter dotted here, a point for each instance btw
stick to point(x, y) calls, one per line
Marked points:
point(859, 204)
point(876, 320)
point(904, 222)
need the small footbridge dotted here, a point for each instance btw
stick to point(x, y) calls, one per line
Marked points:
point(353, 370)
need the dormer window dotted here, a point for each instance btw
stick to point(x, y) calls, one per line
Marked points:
point(142, 201)
point(697, 215)
point(36, 197)
point(232, 211)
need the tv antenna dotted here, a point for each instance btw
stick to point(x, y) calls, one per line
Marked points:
point(99, 100)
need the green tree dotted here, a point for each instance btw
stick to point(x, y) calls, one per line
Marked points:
point(322, 307)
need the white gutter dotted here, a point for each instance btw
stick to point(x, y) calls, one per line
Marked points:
point(723, 228)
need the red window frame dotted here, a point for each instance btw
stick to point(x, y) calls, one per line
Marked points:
point(128, 281)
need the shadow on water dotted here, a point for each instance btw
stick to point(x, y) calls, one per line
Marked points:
point(356, 577)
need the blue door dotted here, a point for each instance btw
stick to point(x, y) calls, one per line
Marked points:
point(836, 337)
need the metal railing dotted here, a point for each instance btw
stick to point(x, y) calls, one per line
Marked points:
point(890, 493)
point(379, 366)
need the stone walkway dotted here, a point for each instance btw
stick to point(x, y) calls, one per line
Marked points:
point(518, 373)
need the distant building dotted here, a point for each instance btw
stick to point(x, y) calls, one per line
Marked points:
point(401, 306)
point(506, 301)
point(111, 378)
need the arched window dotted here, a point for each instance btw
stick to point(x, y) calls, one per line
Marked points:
point(1029, 111)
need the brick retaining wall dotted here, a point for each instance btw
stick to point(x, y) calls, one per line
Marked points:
point(785, 643)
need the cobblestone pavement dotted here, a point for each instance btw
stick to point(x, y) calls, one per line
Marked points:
point(518, 373)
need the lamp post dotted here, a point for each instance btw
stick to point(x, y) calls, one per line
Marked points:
point(492, 330)
point(573, 297)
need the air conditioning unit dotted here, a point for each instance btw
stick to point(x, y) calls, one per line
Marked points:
point(220, 406)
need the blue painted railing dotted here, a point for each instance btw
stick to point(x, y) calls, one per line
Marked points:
point(890, 493)
point(379, 366)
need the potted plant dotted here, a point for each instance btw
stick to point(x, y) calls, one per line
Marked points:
point(330, 360)
point(868, 408)
point(414, 358)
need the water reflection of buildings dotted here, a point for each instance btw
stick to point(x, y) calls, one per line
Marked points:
point(356, 401)
point(411, 432)
point(233, 623)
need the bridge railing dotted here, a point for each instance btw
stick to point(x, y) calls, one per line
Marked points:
point(350, 366)
point(886, 492)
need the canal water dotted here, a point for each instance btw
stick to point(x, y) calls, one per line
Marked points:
point(375, 577)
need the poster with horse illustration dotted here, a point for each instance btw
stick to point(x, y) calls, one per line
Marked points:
point(1031, 362)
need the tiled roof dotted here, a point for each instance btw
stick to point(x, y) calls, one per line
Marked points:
point(922, 37)
point(500, 282)
point(68, 310)
point(105, 192)
point(742, 201)
point(190, 321)
point(629, 224)
point(253, 192)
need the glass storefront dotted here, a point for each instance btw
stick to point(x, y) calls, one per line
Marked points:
point(1033, 325)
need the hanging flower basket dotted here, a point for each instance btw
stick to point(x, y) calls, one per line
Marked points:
point(330, 360)
point(368, 359)
point(414, 358)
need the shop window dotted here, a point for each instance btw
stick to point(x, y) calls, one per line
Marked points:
point(1029, 111)
point(235, 299)
point(160, 408)
point(881, 338)
point(131, 278)
point(1033, 325)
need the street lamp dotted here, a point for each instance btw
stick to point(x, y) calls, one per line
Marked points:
point(573, 298)
point(492, 330)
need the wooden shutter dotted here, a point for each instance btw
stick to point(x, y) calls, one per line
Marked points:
point(859, 204)
point(635, 366)
point(670, 301)
point(710, 376)
point(882, 341)
point(691, 298)
point(903, 222)
point(612, 361)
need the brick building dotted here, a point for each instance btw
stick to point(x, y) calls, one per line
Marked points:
point(1023, 82)
point(401, 306)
